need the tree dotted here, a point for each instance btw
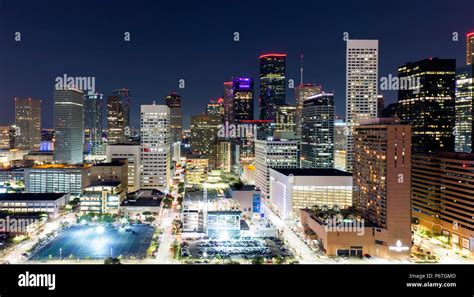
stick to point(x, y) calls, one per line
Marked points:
point(112, 261)
point(258, 260)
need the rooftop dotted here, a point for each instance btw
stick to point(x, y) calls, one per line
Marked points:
point(141, 202)
point(31, 196)
point(312, 172)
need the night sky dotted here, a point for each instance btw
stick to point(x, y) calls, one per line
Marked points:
point(172, 40)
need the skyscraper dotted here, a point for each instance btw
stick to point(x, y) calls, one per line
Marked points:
point(4, 137)
point(174, 102)
point(380, 105)
point(464, 108)
point(93, 120)
point(68, 125)
point(204, 133)
point(303, 92)
point(429, 106)
point(242, 99)
point(274, 153)
point(272, 84)
point(155, 147)
point(118, 116)
point(340, 144)
point(317, 131)
point(285, 118)
point(470, 48)
point(28, 123)
point(228, 102)
point(361, 87)
point(382, 179)
point(216, 108)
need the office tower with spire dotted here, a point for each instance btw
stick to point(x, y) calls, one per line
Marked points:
point(118, 116)
point(361, 87)
point(155, 147)
point(93, 119)
point(272, 84)
point(317, 132)
point(174, 102)
point(28, 123)
point(68, 126)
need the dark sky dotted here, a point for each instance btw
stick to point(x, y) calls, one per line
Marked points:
point(171, 40)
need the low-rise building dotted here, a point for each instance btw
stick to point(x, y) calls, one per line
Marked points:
point(293, 189)
point(49, 203)
point(102, 198)
point(249, 198)
point(140, 202)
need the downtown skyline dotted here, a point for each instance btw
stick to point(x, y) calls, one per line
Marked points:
point(156, 58)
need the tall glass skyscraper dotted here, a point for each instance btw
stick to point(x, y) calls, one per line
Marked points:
point(463, 131)
point(317, 132)
point(173, 101)
point(272, 84)
point(429, 107)
point(28, 123)
point(470, 48)
point(242, 94)
point(118, 116)
point(93, 121)
point(303, 92)
point(68, 126)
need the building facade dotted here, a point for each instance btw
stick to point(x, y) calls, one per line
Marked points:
point(93, 119)
point(317, 131)
point(361, 87)
point(68, 126)
point(174, 102)
point(131, 152)
point(155, 147)
point(272, 84)
point(28, 123)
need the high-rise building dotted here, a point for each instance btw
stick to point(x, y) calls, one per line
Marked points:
point(382, 179)
point(93, 121)
point(317, 131)
point(272, 84)
point(285, 118)
point(5, 137)
point(68, 126)
point(340, 144)
point(216, 108)
point(274, 153)
point(380, 105)
point(428, 106)
point(28, 123)
point(118, 116)
point(174, 102)
point(131, 152)
point(242, 99)
point(470, 48)
point(204, 133)
point(155, 147)
point(303, 92)
point(228, 102)
point(361, 87)
point(464, 109)
point(441, 197)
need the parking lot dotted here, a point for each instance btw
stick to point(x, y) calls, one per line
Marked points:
point(239, 249)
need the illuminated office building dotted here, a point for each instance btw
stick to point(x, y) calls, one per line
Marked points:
point(303, 92)
point(285, 118)
point(28, 123)
point(118, 116)
point(430, 106)
point(174, 102)
point(464, 108)
point(68, 126)
point(361, 87)
point(272, 84)
point(93, 119)
point(155, 147)
point(317, 132)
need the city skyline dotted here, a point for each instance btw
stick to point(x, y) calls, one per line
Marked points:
point(151, 75)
